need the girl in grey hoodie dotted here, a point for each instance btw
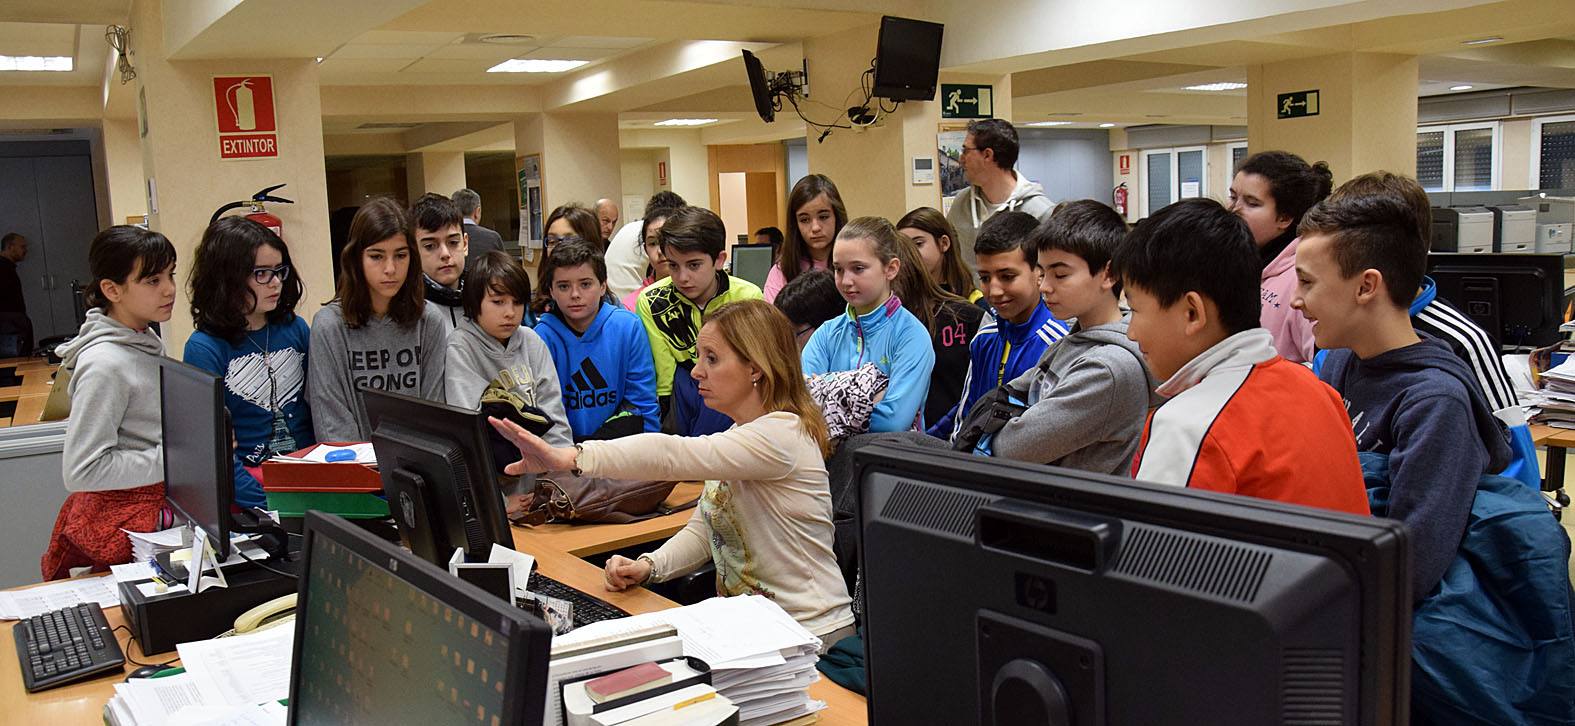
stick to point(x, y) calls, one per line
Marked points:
point(113, 460)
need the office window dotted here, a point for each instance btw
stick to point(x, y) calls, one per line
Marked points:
point(1237, 151)
point(1458, 158)
point(1555, 152)
point(1172, 174)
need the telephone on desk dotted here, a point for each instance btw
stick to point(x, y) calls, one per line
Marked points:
point(277, 611)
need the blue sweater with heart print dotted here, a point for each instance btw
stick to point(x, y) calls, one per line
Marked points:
point(251, 389)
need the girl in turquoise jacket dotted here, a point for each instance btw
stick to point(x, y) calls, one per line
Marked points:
point(876, 328)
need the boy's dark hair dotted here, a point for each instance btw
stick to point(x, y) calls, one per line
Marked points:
point(467, 200)
point(1373, 231)
point(811, 298)
point(1295, 184)
point(694, 229)
point(773, 235)
point(434, 212)
point(665, 199)
point(377, 220)
point(1401, 187)
point(571, 254)
point(8, 239)
point(1005, 232)
point(1086, 228)
point(120, 251)
point(221, 294)
point(494, 272)
point(1195, 245)
point(997, 135)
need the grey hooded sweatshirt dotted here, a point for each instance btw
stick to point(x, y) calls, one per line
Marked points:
point(970, 209)
point(523, 365)
point(1087, 401)
point(379, 355)
point(114, 437)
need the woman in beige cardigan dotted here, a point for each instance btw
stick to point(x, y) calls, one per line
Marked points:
point(764, 519)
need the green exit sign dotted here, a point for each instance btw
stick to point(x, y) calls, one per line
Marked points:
point(966, 100)
point(1298, 104)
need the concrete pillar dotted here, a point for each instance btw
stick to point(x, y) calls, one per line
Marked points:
point(580, 157)
point(1366, 111)
point(439, 172)
point(180, 155)
point(123, 166)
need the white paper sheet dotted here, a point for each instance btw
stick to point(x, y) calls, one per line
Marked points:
point(18, 604)
point(245, 669)
point(363, 453)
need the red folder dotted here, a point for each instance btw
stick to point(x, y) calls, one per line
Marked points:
point(308, 476)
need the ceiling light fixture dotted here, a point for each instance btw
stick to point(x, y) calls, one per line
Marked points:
point(1048, 123)
point(1461, 87)
point(36, 63)
point(1482, 41)
point(1107, 126)
point(506, 39)
point(685, 122)
point(1226, 86)
point(532, 65)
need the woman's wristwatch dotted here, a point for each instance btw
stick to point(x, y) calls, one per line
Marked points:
point(650, 574)
point(574, 468)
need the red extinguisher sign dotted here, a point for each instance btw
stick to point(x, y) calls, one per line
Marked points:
point(244, 110)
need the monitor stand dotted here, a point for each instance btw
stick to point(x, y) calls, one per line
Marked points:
point(271, 536)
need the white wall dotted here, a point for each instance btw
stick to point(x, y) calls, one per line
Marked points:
point(1070, 164)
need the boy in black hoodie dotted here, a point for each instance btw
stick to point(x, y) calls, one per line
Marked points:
point(1409, 396)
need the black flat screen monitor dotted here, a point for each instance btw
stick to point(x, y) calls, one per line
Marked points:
point(1517, 298)
point(907, 59)
point(198, 479)
point(1041, 595)
point(760, 88)
point(436, 465)
point(382, 637)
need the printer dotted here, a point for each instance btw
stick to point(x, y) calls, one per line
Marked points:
point(1514, 228)
point(1555, 222)
point(1462, 229)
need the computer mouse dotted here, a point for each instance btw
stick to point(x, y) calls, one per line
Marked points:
point(145, 672)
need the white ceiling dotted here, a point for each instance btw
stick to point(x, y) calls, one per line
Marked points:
point(84, 43)
point(399, 57)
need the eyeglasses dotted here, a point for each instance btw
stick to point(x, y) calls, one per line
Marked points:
point(553, 239)
point(803, 331)
point(966, 148)
point(266, 275)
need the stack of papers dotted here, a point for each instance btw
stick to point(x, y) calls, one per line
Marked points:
point(1554, 403)
point(146, 545)
point(238, 680)
point(19, 604)
point(761, 659)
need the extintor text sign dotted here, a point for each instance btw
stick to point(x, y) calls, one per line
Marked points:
point(244, 109)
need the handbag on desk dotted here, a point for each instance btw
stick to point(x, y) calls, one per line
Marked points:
point(562, 497)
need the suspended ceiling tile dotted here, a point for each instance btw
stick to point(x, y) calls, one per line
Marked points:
point(403, 37)
point(480, 51)
point(43, 39)
point(334, 66)
point(592, 41)
point(450, 65)
point(558, 52)
point(357, 51)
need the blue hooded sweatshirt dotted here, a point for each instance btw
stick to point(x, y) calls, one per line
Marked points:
point(1000, 352)
point(252, 389)
point(892, 339)
point(1422, 406)
point(605, 370)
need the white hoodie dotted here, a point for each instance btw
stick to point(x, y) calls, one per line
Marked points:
point(970, 209)
point(114, 437)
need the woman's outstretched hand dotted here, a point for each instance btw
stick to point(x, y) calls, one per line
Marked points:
point(536, 456)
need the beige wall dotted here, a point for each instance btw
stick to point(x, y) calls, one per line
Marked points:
point(688, 166)
point(866, 164)
point(123, 166)
point(1515, 152)
point(181, 155)
point(637, 170)
point(1367, 111)
point(439, 172)
point(580, 158)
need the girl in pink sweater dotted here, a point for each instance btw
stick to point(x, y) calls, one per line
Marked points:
point(1271, 191)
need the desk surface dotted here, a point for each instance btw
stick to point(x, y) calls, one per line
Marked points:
point(84, 702)
point(1543, 435)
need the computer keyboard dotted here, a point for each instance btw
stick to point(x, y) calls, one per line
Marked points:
point(65, 646)
point(587, 609)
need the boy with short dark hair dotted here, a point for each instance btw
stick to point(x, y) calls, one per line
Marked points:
point(1019, 328)
point(441, 240)
point(695, 244)
point(1089, 393)
point(1360, 263)
point(1240, 418)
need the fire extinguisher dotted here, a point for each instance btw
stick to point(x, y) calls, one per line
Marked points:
point(1120, 195)
point(257, 213)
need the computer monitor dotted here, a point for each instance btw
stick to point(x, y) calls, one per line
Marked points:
point(1035, 594)
point(436, 466)
point(198, 479)
point(1517, 298)
point(760, 88)
point(907, 59)
point(382, 637)
point(753, 262)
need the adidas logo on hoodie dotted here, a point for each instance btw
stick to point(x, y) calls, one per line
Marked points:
point(587, 388)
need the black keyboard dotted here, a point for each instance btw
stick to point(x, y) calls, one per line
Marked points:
point(65, 646)
point(587, 609)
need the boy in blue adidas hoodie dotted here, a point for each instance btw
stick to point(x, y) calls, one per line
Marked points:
point(1358, 267)
point(1020, 327)
point(600, 350)
point(876, 329)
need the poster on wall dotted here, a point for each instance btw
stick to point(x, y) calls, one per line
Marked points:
point(948, 151)
point(530, 202)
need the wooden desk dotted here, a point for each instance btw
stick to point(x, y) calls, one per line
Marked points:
point(584, 540)
point(1558, 441)
point(83, 703)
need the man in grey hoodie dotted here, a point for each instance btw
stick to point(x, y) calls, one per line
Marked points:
point(1090, 393)
point(989, 154)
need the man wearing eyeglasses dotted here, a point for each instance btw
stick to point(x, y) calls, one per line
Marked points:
point(989, 158)
point(440, 237)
